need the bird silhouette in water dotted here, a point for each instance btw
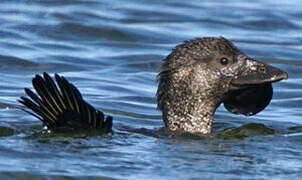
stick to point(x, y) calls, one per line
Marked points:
point(194, 79)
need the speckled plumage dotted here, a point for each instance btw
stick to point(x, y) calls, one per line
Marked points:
point(193, 82)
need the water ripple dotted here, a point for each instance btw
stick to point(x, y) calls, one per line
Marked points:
point(112, 51)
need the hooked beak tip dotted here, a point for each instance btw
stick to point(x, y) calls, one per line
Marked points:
point(282, 76)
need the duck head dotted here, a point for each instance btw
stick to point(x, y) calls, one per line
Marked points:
point(200, 74)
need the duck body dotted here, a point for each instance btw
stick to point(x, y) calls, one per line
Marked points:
point(195, 78)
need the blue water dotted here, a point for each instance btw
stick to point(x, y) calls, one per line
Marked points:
point(111, 50)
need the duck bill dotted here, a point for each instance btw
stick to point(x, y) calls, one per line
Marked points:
point(252, 89)
point(255, 73)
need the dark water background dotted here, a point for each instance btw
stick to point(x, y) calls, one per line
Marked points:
point(111, 51)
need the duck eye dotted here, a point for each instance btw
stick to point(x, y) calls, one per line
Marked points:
point(224, 61)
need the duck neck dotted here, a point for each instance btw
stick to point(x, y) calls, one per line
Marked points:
point(190, 115)
point(190, 102)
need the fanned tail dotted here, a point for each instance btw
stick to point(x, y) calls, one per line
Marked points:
point(62, 107)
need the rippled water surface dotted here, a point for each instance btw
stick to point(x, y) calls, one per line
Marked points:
point(111, 51)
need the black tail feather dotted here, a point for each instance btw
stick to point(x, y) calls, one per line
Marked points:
point(62, 107)
point(47, 113)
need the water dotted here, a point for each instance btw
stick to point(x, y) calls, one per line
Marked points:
point(111, 51)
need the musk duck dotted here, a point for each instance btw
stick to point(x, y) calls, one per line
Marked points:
point(194, 79)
